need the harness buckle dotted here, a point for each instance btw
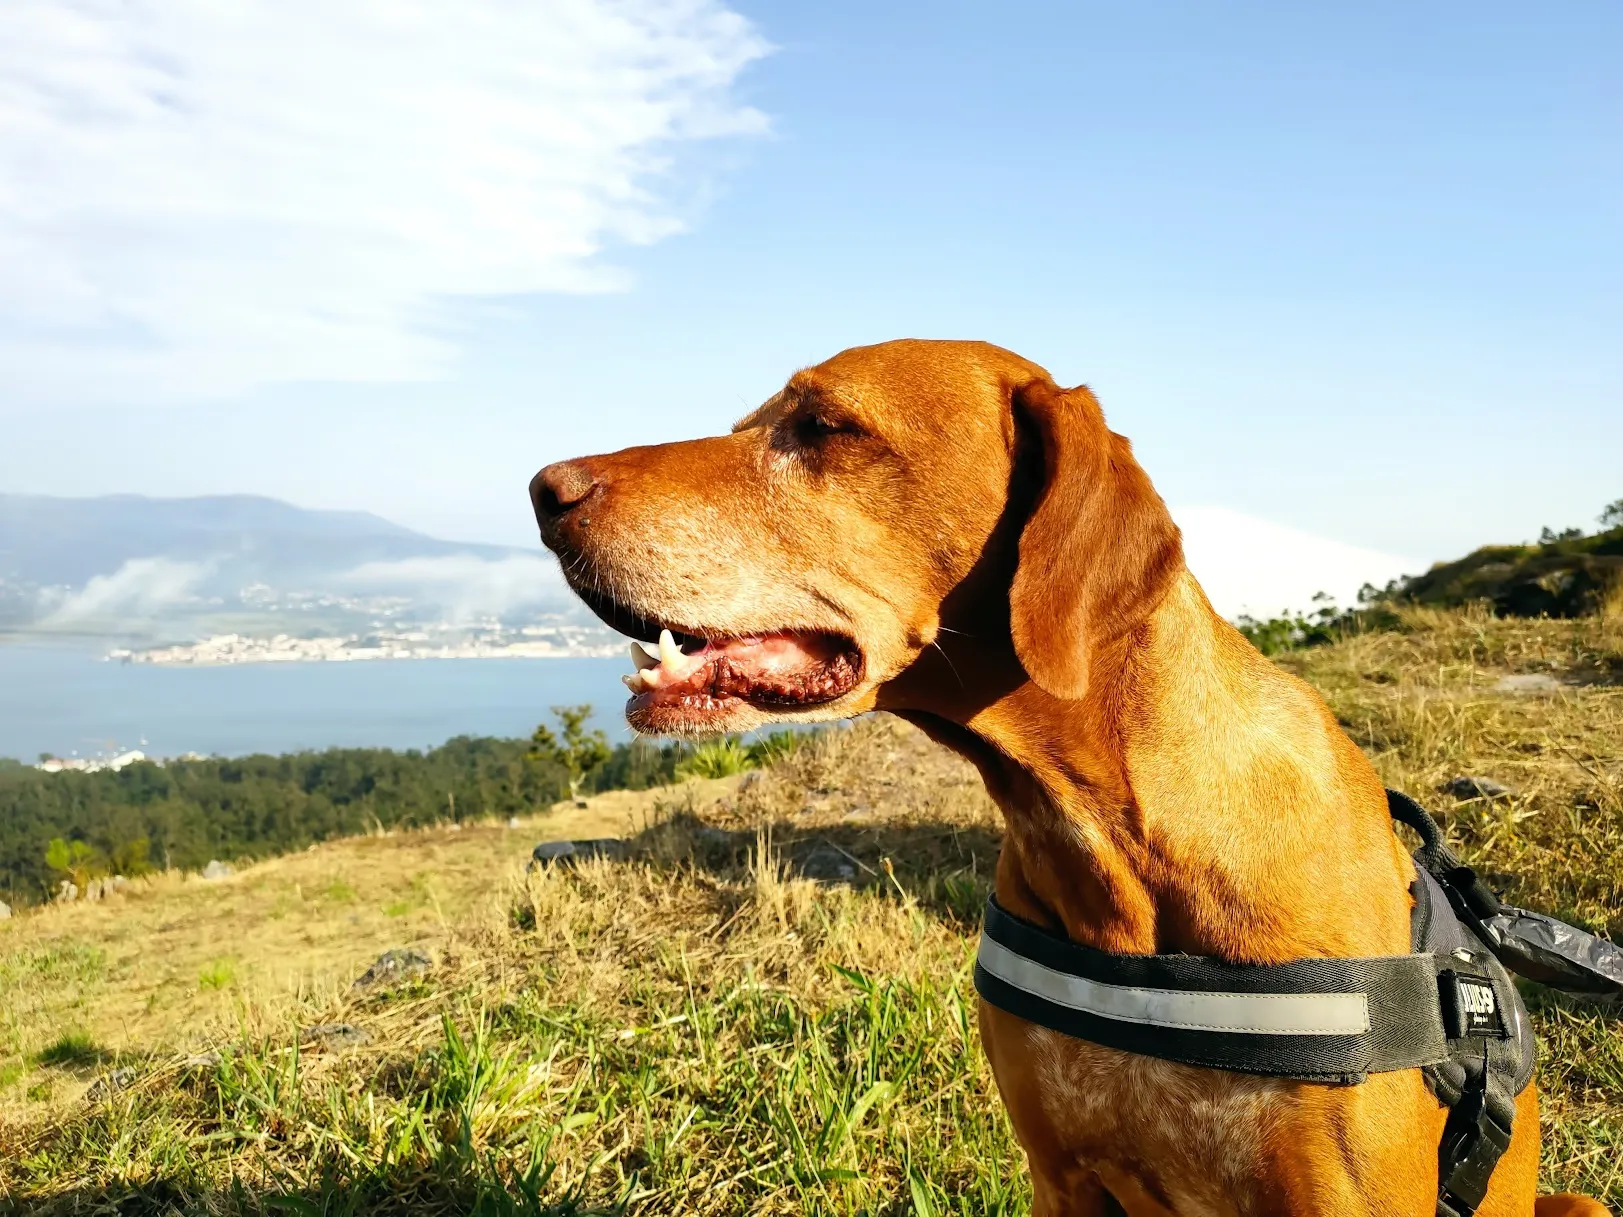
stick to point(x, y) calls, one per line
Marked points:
point(1473, 1142)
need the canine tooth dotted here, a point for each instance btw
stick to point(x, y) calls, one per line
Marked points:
point(669, 653)
point(642, 657)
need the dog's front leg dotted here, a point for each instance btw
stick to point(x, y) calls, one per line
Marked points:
point(1085, 1197)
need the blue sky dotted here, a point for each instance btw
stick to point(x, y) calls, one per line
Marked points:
point(1355, 270)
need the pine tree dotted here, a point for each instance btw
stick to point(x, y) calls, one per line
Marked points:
point(579, 752)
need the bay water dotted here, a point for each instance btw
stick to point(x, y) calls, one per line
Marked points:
point(66, 699)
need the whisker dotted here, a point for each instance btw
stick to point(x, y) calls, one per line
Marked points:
point(948, 658)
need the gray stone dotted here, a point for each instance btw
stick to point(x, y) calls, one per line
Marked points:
point(334, 1035)
point(1477, 788)
point(825, 863)
point(1528, 682)
point(394, 966)
point(202, 1060)
point(216, 870)
point(67, 890)
point(550, 852)
point(109, 1084)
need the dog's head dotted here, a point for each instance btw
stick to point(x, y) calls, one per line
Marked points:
point(804, 562)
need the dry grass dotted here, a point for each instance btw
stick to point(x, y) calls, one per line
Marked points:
point(180, 962)
point(697, 1031)
point(1427, 703)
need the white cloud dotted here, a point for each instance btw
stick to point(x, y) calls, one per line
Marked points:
point(197, 196)
point(140, 588)
point(1253, 566)
point(464, 585)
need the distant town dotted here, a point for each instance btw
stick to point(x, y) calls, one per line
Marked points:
point(485, 640)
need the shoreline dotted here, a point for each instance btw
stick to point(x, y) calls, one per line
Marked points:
point(230, 650)
point(137, 660)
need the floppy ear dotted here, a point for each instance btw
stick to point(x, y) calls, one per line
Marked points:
point(1099, 549)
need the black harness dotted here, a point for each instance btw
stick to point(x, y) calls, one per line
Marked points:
point(1449, 1009)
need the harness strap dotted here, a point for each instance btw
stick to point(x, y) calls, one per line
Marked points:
point(1322, 1020)
point(1448, 1009)
point(1472, 899)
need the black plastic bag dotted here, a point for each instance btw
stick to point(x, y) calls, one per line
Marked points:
point(1555, 953)
point(1530, 944)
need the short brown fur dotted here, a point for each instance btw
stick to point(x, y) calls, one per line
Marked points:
point(1018, 590)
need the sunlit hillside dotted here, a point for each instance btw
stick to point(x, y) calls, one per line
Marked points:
point(766, 1009)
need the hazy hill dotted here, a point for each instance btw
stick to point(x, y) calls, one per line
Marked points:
point(1561, 576)
point(126, 558)
point(46, 540)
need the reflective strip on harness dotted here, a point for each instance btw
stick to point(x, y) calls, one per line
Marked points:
point(1186, 1010)
point(1325, 1020)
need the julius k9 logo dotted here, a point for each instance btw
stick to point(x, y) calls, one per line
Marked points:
point(1478, 1006)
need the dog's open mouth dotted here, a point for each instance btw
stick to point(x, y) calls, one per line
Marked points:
point(690, 679)
point(788, 670)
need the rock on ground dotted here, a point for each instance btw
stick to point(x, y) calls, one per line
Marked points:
point(1467, 787)
point(549, 852)
point(1528, 682)
point(109, 1084)
point(334, 1035)
point(394, 966)
point(824, 863)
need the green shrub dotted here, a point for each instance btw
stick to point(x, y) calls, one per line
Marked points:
point(72, 1048)
point(1291, 631)
point(716, 759)
point(776, 746)
point(218, 974)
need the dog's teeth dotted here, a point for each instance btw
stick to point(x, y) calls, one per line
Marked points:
point(669, 653)
point(632, 681)
point(643, 658)
point(651, 678)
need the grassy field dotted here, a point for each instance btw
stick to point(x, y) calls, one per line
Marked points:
point(701, 1030)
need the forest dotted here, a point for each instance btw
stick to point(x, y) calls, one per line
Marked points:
point(184, 813)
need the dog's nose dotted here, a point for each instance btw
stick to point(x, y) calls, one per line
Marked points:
point(559, 488)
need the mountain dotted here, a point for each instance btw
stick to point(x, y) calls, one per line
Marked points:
point(66, 542)
point(128, 558)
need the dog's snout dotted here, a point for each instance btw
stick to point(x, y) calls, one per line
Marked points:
point(559, 489)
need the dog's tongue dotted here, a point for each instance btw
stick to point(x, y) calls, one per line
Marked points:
point(786, 667)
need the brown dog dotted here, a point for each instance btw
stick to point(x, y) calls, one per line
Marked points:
point(937, 530)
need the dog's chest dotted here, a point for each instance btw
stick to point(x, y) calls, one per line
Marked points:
point(1195, 1137)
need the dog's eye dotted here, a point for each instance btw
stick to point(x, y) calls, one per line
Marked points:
point(811, 428)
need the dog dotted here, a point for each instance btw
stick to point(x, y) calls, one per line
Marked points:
point(938, 530)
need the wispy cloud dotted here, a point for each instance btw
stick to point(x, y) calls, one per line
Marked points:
point(1257, 567)
point(140, 589)
point(464, 585)
point(206, 197)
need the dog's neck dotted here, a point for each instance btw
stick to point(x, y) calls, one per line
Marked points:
point(1196, 799)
